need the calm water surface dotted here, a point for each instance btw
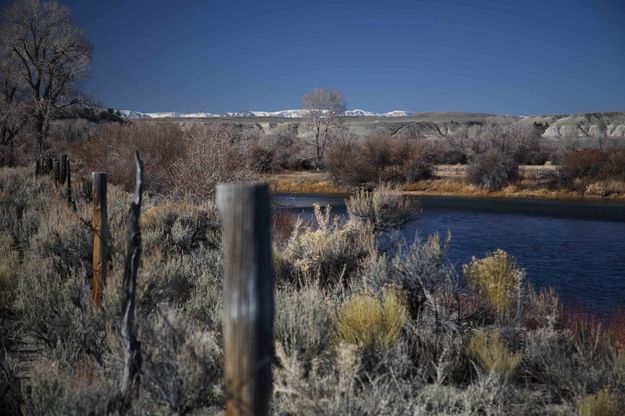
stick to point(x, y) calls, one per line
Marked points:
point(576, 247)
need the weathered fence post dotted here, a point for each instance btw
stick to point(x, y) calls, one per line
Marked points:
point(132, 351)
point(49, 165)
point(62, 169)
point(37, 168)
point(100, 236)
point(68, 173)
point(55, 170)
point(248, 297)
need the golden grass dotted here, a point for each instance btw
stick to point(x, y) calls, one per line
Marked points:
point(603, 403)
point(523, 190)
point(369, 321)
point(492, 354)
point(451, 184)
point(498, 279)
point(302, 182)
point(157, 214)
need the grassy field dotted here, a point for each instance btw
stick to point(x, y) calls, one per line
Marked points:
point(360, 328)
point(449, 181)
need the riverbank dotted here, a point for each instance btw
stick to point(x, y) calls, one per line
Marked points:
point(451, 185)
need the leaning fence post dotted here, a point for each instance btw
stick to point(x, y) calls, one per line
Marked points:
point(248, 297)
point(62, 169)
point(99, 225)
point(132, 351)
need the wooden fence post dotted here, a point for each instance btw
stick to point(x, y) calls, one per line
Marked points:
point(99, 226)
point(37, 168)
point(132, 351)
point(248, 297)
point(55, 170)
point(68, 172)
point(49, 165)
point(62, 169)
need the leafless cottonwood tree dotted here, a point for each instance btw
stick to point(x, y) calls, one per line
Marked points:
point(52, 56)
point(322, 116)
point(13, 109)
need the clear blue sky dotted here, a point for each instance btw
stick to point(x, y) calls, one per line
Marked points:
point(509, 57)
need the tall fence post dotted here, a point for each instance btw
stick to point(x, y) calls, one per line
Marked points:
point(132, 351)
point(62, 169)
point(248, 297)
point(99, 225)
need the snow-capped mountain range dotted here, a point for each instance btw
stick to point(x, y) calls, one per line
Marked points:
point(297, 113)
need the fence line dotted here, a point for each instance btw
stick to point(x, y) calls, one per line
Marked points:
point(248, 282)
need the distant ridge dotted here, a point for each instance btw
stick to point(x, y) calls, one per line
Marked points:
point(295, 113)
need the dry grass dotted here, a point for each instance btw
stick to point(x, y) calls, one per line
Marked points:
point(499, 280)
point(9, 263)
point(603, 403)
point(369, 321)
point(333, 293)
point(449, 184)
point(492, 354)
point(302, 182)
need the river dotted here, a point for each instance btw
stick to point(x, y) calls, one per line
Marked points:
point(578, 247)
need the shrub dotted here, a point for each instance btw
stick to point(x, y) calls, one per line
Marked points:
point(9, 263)
point(282, 225)
point(56, 389)
point(492, 170)
point(327, 251)
point(211, 156)
point(542, 308)
point(112, 150)
point(182, 364)
point(180, 227)
point(498, 279)
point(369, 321)
point(603, 403)
point(585, 163)
point(379, 158)
point(615, 164)
point(305, 321)
point(385, 207)
point(492, 354)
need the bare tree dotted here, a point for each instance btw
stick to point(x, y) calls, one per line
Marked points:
point(594, 127)
point(322, 116)
point(52, 57)
point(13, 112)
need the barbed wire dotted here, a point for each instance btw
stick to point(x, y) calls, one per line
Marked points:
point(112, 252)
